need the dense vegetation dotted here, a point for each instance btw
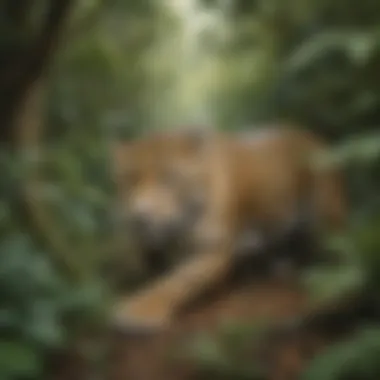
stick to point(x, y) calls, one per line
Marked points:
point(312, 62)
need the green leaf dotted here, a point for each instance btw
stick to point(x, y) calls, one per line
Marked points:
point(19, 359)
point(44, 324)
point(325, 285)
point(356, 358)
point(206, 351)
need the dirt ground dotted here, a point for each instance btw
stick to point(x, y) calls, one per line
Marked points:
point(145, 358)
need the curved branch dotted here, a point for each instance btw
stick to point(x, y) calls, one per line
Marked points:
point(25, 64)
point(22, 129)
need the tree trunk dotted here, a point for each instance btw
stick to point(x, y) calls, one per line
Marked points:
point(23, 62)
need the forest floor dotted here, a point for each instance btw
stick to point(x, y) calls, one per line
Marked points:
point(145, 358)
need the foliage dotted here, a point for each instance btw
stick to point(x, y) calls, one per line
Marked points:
point(227, 353)
point(350, 360)
point(126, 66)
point(40, 310)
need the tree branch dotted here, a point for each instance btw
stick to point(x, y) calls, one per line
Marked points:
point(26, 64)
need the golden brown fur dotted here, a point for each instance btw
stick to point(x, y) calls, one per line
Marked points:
point(260, 179)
